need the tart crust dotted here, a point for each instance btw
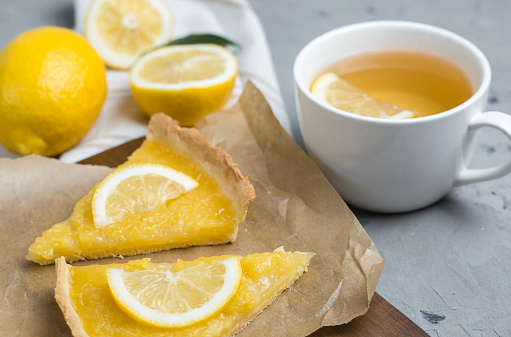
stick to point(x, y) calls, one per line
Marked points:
point(64, 299)
point(185, 141)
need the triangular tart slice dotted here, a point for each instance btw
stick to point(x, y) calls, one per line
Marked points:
point(207, 215)
point(83, 294)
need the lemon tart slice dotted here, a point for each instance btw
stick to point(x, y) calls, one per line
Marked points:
point(209, 198)
point(85, 294)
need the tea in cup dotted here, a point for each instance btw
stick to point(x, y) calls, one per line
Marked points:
point(421, 83)
point(394, 164)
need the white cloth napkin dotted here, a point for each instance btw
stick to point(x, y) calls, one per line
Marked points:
point(121, 120)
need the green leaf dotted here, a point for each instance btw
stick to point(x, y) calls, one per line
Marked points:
point(205, 38)
point(198, 39)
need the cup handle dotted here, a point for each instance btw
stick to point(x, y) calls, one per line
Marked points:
point(501, 122)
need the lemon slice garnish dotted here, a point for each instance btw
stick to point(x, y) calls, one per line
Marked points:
point(135, 189)
point(185, 82)
point(344, 96)
point(121, 30)
point(166, 299)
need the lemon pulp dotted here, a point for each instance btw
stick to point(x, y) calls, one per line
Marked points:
point(202, 215)
point(265, 275)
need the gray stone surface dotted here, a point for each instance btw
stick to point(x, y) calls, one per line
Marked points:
point(449, 265)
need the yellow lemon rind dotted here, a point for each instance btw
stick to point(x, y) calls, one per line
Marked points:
point(63, 239)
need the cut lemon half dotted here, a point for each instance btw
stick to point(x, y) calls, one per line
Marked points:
point(137, 188)
point(344, 96)
point(186, 82)
point(120, 30)
point(166, 299)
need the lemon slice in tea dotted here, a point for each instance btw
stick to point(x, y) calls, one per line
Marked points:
point(344, 96)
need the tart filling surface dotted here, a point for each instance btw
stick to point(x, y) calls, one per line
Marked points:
point(207, 215)
point(90, 310)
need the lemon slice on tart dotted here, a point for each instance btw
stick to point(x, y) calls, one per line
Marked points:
point(158, 219)
point(166, 299)
point(209, 296)
point(137, 188)
point(186, 82)
point(121, 30)
point(342, 95)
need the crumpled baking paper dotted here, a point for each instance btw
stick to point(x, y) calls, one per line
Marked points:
point(295, 207)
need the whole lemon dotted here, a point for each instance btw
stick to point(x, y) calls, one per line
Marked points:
point(52, 88)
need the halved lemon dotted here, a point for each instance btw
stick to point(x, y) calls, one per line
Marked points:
point(344, 96)
point(186, 82)
point(120, 30)
point(137, 188)
point(165, 299)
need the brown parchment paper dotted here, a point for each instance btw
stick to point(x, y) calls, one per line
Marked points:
point(295, 207)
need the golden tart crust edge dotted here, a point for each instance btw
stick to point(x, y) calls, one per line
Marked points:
point(64, 299)
point(214, 160)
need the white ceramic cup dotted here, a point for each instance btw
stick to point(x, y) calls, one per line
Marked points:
point(387, 165)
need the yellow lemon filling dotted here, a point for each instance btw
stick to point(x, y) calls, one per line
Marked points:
point(90, 310)
point(203, 215)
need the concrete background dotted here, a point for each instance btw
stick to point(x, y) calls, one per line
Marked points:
point(448, 266)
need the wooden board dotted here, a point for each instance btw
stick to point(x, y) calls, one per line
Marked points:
point(382, 319)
